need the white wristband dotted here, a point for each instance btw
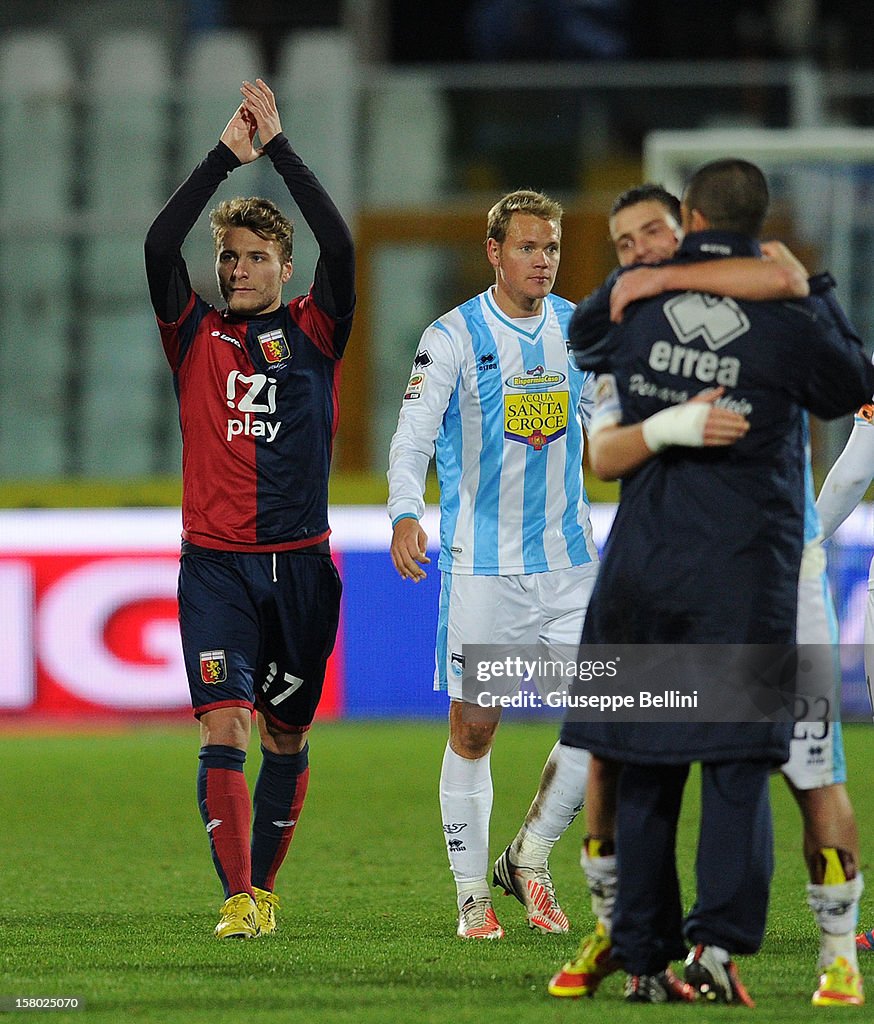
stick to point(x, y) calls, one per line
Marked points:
point(680, 425)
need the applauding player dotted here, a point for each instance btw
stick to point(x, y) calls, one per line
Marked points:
point(258, 593)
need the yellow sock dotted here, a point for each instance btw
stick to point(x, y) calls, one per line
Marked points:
point(834, 869)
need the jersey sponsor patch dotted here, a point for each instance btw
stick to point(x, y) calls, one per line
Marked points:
point(422, 360)
point(226, 337)
point(536, 379)
point(415, 387)
point(274, 346)
point(536, 419)
point(213, 667)
point(253, 396)
point(608, 408)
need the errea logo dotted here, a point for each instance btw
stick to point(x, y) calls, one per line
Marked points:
point(717, 322)
point(691, 363)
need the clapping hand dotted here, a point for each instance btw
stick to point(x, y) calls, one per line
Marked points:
point(239, 135)
point(256, 114)
point(259, 101)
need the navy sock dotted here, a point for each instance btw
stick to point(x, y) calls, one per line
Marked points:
point(278, 799)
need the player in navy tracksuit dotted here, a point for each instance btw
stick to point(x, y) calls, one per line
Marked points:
point(705, 548)
point(258, 593)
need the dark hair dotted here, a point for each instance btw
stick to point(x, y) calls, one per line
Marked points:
point(646, 193)
point(731, 194)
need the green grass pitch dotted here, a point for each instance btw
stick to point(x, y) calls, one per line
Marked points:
point(109, 895)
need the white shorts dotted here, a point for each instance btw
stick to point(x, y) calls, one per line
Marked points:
point(816, 754)
point(539, 607)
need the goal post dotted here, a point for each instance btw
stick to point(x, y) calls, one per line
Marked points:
point(822, 183)
point(670, 156)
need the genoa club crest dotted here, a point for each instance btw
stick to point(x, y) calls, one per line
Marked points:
point(213, 667)
point(274, 346)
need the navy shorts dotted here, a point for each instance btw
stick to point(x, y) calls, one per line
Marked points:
point(257, 630)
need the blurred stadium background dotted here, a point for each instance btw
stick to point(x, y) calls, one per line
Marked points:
point(416, 116)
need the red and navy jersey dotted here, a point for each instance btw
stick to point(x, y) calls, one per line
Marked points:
point(257, 395)
point(258, 411)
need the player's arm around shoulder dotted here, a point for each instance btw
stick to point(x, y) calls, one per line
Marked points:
point(778, 275)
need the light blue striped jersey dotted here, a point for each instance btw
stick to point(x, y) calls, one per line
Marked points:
point(504, 408)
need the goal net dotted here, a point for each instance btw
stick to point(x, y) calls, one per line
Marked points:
point(822, 188)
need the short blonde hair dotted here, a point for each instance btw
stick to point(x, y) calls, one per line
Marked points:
point(521, 201)
point(258, 215)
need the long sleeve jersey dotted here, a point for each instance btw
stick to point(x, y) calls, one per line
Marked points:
point(257, 395)
point(850, 476)
point(504, 408)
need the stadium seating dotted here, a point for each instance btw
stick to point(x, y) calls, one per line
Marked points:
point(212, 67)
point(36, 183)
point(129, 77)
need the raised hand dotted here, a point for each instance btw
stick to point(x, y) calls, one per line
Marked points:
point(259, 101)
point(239, 135)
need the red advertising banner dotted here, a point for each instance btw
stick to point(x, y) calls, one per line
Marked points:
point(88, 624)
point(88, 619)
